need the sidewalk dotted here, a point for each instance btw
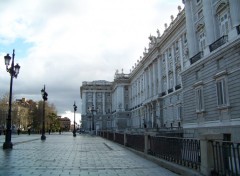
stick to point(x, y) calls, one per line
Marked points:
point(63, 154)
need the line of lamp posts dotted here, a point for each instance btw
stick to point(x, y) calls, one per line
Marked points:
point(14, 71)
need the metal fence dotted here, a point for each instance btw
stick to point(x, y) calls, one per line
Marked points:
point(226, 157)
point(119, 138)
point(182, 151)
point(135, 141)
point(178, 150)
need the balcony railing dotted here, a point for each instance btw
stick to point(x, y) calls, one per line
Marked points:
point(238, 29)
point(221, 41)
point(163, 94)
point(170, 90)
point(197, 57)
point(178, 87)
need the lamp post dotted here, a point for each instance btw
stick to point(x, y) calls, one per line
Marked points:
point(92, 110)
point(75, 109)
point(44, 96)
point(14, 71)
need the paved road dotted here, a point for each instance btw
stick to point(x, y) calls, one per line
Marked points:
point(63, 154)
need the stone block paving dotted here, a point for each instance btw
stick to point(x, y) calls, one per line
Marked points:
point(83, 155)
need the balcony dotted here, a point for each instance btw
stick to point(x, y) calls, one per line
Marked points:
point(178, 87)
point(163, 94)
point(238, 29)
point(221, 41)
point(197, 57)
point(170, 90)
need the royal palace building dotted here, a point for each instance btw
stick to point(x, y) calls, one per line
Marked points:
point(187, 80)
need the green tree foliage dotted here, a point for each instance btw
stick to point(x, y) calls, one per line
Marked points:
point(54, 123)
point(28, 114)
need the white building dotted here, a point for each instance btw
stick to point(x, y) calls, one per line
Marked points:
point(188, 77)
point(211, 93)
point(96, 105)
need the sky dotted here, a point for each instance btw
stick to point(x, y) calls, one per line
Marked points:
point(61, 43)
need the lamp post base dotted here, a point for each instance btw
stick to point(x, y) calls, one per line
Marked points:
point(7, 145)
point(74, 134)
point(43, 137)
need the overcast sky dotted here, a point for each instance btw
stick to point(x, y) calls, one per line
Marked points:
point(61, 43)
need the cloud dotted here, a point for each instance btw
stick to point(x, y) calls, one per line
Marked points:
point(71, 41)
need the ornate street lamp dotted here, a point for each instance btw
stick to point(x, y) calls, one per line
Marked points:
point(92, 110)
point(75, 109)
point(14, 71)
point(44, 96)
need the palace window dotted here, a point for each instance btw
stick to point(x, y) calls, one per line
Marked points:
point(224, 23)
point(179, 112)
point(199, 99)
point(221, 92)
point(202, 42)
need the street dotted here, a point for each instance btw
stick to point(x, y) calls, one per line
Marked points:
point(64, 154)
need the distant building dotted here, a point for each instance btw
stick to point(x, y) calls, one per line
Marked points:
point(97, 95)
point(65, 123)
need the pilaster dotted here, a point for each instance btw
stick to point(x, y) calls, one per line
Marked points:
point(235, 12)
point(191, 36)
point(209, 22)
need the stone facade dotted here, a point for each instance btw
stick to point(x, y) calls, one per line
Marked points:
point(211, 84)
point(97, 95)
point(188, 77)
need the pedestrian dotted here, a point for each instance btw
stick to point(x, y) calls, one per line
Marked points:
point(29, 131)
point(49, 131)
point(18, 131)
point(59, 131)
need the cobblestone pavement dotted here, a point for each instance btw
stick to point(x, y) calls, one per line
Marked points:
point(64, 154)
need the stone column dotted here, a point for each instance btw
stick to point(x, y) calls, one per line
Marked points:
point(181, 48)
point(167, 77)
point(174, 67)
point(94, 99)
point(125, 139)
point(103, 103)
point(207, 152)
point(84, 101)
point(209, 21)
point(150, 82)
point(159, 76)
point(146, 143)
point(235, 12)
point(145, 84)
point(154, 78)
point(191, 36)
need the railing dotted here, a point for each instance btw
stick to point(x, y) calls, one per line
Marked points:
point(178, 150)
point(218, 43)
point(226, 157)
point(163, 94)
point(135, 141)
point(170, 90)
point(238, 29)
point(119, 138)
point(178, 87)
point(110, 136)
point(195, 58)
